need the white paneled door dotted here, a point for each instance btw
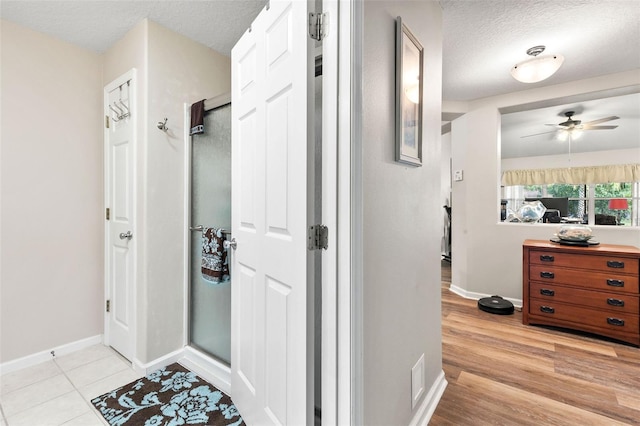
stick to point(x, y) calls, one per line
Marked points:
point(270, 359)
point(119, 215)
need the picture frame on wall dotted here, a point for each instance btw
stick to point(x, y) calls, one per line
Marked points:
point(409, 88)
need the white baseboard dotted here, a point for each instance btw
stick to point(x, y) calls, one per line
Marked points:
point(475, 296)
point(40, 357)
point(428, 406)
point(215, 372)
point(158, 363)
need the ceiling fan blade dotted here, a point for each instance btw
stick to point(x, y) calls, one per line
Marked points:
point(600, 120)
point(599, 127)
point(536, 134)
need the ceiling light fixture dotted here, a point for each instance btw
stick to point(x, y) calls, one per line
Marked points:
point(537, 68)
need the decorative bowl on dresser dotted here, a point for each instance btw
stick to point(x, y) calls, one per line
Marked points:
point(593, 289)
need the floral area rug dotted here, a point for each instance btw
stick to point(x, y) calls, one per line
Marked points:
point(173, 396)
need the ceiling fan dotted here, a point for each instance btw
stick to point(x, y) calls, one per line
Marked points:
point(570, 124)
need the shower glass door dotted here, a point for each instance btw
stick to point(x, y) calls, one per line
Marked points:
point(210, 304)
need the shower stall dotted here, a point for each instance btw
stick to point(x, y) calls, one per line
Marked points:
point(210, 182)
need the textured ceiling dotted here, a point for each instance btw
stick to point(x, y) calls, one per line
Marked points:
point(97, 24)
point(483, 39)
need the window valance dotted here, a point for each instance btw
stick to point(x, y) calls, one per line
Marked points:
point(573, 175)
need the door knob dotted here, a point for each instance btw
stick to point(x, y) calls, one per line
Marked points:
point(127, 236)
point(233, 244)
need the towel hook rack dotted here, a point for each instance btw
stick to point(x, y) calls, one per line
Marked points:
point(162, 125)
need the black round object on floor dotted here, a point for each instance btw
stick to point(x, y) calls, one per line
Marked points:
point(495, 305)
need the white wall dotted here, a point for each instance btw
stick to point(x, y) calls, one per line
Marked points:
point(402, 219)
point(487, 254)
point(51, 186)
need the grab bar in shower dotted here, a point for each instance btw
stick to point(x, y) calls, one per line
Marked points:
point(200, 227)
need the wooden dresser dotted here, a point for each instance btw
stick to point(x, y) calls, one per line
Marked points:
point(592, 289)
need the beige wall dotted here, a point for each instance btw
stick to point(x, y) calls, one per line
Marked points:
point(172, 71)
point(180, 71)
point(402, 219)
point(51, 187)
point(483, 248)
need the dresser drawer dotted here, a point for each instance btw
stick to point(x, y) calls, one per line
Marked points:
point(607, 281)
point(615, 264)
point(618, 321)
point(614, 302)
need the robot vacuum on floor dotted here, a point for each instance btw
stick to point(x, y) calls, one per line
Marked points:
point(496, 305)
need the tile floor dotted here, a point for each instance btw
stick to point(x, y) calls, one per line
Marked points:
point(59, 392)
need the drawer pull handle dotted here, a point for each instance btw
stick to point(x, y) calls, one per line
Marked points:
point(615, 283)
point(546, 258)
point(547, 292)
point(545, 274)
point(615, 321)
point(615, 264)
point(615, 302)
point(547, 309)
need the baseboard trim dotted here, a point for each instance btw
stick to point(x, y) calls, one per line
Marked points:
point(475, 296)
point(213, 371)
point(43, 356)
point(430, 402)
point(156, 364)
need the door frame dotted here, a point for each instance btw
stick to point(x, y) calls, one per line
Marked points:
point(128, 76)
point(349, 215)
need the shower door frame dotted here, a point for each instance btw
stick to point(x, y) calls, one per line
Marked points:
point(208, 366)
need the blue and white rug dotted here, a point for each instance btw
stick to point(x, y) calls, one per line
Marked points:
point(173, 396)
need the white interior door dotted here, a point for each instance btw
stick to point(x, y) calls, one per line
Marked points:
point(119, 200)
point(270, 356)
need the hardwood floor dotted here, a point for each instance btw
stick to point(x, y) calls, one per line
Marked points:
point(501, 372)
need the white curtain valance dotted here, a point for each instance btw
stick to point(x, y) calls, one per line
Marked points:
point(573, 175)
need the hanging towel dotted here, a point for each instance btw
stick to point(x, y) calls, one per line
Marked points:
point(215, 266)
point(197, 118)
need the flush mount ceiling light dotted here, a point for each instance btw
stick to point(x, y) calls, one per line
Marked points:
point(537, 68)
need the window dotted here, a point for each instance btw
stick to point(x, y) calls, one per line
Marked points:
point(596, 204)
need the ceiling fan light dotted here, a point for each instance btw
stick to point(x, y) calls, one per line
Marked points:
point(537, 69)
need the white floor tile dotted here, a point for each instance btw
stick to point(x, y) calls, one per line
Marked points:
point(35, 394)
point(87, 419)
point(96, 370)
point(108, 384)
point(83, 356)
point(17, 379)
point(55, 412)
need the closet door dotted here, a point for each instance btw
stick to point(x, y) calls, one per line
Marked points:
point(271, 80)
point(120, 232)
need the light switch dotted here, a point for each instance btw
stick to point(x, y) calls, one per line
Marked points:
point(457, 175)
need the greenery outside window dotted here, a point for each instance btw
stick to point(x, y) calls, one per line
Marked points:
point(591, 203)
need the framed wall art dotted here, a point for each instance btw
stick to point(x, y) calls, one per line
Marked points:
point(409, 84)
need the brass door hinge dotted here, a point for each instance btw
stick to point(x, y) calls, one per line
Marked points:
point(107, 213)
point(108, 305)
point(106, 121)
